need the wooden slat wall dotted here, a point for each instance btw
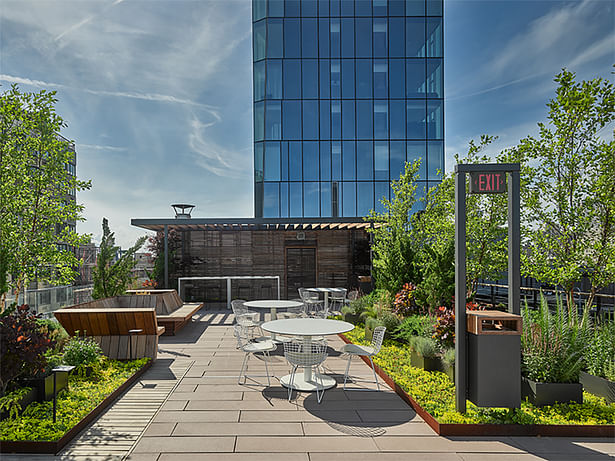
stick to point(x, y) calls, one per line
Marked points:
point(104, 322)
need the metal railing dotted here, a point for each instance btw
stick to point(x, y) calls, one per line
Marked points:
point(47, 300)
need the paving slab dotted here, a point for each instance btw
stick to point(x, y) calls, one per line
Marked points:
point(185, 445)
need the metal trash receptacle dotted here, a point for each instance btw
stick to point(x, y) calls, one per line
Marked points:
point(494, 358)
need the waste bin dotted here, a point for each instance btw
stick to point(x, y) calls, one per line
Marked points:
point(494, 358)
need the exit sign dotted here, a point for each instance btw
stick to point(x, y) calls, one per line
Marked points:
point(487, 183)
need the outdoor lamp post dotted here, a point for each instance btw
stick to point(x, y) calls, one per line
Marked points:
point(132, 333)
point(66, 368)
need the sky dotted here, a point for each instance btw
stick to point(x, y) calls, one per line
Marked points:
point(157, 94)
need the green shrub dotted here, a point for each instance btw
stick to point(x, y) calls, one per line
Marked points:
point(600, 353)
point(11, 402)
point(427, 347)
point(415, 325)
point(357, 306)
point(81, 351)
point(448, 357)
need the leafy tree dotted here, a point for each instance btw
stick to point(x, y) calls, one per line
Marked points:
point(155, 244)
point(34, 186)
point(569, 200)
point(112, 276)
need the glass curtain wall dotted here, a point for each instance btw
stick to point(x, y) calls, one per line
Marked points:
point(345, 92)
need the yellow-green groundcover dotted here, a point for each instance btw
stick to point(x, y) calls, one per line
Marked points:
point(435, 393)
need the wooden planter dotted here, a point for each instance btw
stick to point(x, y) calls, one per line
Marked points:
point(426, 363)
point(541, 394)
point(596, 385)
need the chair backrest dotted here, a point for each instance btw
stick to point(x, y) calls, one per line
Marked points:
point(242, 340)
point(307, 295)
point(377, 338)
point(238, 307)
point(352, 295)
point(305, 355)
point(339, 295)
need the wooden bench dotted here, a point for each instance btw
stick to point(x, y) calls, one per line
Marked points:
point(110, 327)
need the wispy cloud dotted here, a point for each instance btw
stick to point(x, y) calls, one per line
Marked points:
point(100, 147)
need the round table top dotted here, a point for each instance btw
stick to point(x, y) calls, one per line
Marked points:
point(272, 304)
point(307, 327)
point(325, 290)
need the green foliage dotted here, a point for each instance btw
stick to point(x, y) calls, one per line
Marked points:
point(390, 321)
point(381, 302)
point(427, 347)
point(112, 278)
point(448, 357)
point(34, 186)
point(11, 402)
point(438, 285)
point(415, 325)
point(82, 396)
point(357, 306)
point(155, 245)
point(600, 352)
point(55, 332)
point(569, 196)
point(22, 346)
point(81, 351)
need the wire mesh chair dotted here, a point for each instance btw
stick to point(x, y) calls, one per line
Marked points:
point(310, 299)
point(337, 300)
point(302, 354)
point(368, 351)
point(251, 348)
point(244, 317)
point(293, 312)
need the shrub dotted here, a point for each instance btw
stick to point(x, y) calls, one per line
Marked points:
point(11, 402)
point(448, 357)
point(415, 325)
point(390, 321)
point(444, 331)
point(600, 353)
point(357, 306)
point(56, 332)
point(427, 347)
point(22, 346)
point(404, 303)
point(81, 351)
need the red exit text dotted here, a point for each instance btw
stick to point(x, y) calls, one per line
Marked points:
point(487, 183)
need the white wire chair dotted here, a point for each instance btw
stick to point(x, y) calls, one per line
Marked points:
point(250, 348)
point(337, 300)
point(244, 317)
point(369, 351)
point(311, 300)
point(302, 354)
point(293, 312)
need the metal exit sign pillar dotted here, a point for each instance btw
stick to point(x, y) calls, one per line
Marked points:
point(486, 178)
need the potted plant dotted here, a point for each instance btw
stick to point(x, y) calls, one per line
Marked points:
point(599, 377)
point(425, 354)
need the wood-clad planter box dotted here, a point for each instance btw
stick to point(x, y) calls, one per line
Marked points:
point(7, 446)
point(596, 385)
point(541, 394)
point(543, 430)
point(426, 363)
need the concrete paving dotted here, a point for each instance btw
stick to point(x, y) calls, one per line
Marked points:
point(206, 415)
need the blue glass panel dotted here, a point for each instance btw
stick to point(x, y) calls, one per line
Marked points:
point(364, 37)
point(347, 37)
point(323, 7)
point(435, 120)
point(271, 200)
point(325, 161)
point(335, 7)
point(364, 7)
point(415, 150)
point(415, 78)
point(259, 80)
point(348, 119)
point(435, 159)
point(381, 119)
point(294, 161)
point(273, 120)
point(397, 154)
point(310, 161)
point(291, 119)
point(336, 160)
point(275, 33)
point(293, 8)
point(365, 112)
point(380, 38)
point(434, 37)
point(259, 9)
point(380, 8)
point(434, 7)
point(272, 161)
point(415, 37)
point(349, 197)
point(296, 199)
point(336, 120)
point(309, 34)
point(311, 200)
point(284, 200)
point(335, 79)
point(309, 69)
point(325, 199)
point(292, 79)
point(397, 38)
point(310, 119)
point(397, 113)
point(365, 198)
point(397, 8)
point(347, 7)
point(381, 160)
point(397, 78)
point(415, 7)
point(292, 39)
point(259, 121)
point(309, 9)
point(259, 40)
point(365, 160)
point(348, 160)
point(276, 8)
point(323, 37)
point(284, 154)
point(381, 191)
point(274, 79)
point(324, 78)
point(334, 28)
point(435, 88)
point(258, 162)
point(364, 78)
point(348, 78)
point(325, 119)
point(415, 119)
point(381, 89)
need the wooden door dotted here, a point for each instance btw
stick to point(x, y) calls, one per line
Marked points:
point(300, 270)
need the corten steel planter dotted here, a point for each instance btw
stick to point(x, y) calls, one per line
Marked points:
point(596, 385)
point(543, 430)
point(541, 394)
point(426, 363)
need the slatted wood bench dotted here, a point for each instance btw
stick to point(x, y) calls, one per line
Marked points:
point(110, 327)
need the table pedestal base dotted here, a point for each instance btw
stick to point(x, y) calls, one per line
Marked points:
point(301, 384)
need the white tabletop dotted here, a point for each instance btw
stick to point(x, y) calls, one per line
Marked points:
point(325, 290)
point(272, 303)
point(307, 327)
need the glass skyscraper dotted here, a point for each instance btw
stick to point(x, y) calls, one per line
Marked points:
point(345, 91)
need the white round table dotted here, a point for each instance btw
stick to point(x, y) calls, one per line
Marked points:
point(307, 328)
point(273, 305)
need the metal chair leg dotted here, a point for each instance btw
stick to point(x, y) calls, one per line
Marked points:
point(374, 370)
point(347, 370)
point(265, 355)
point(290, 384)
point(242, 372)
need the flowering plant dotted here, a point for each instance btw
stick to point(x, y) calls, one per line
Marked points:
point(444, 331)
point(404, 303)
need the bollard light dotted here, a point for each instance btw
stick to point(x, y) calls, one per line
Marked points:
point(132, 333)
point(66, 368)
